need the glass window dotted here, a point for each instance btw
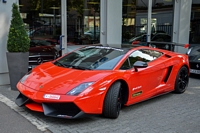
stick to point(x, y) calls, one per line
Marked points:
point(161, 37)
point(144, 55)
point(128, 20)
point(137, 11)
point(43, 19)
point(162, 12)
point(194, 38)
point(97, 57)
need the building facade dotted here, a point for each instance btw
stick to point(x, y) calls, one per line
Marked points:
point(109, 22)
point(5, 17)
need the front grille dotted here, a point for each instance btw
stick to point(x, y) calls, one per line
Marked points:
point(38, 59)
point(21, 100)
point(195, 66)
point(60, 109)
point(191, 57)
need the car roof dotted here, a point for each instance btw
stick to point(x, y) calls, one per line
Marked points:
point(124, 49)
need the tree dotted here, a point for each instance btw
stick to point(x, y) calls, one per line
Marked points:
point(18, 40)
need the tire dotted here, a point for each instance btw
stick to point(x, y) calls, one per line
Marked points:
point(182, 80)
point(112, 102)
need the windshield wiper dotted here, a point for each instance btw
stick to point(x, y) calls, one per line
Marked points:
point(60, 64)
point(71, 66)
point(80, 67)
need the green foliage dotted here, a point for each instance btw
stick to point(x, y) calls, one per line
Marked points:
point(18, 40)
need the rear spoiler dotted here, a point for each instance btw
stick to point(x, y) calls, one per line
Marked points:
point(164, 45)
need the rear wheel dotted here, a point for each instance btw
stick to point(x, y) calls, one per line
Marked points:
point(113, 101)
point(182, 80)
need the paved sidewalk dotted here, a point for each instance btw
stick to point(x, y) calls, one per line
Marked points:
point(12, 121)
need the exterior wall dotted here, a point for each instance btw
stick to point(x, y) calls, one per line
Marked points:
point(113, 23)
point(5, 17)
point(181, 26)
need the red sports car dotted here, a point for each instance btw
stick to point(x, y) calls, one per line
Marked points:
point(100, 80)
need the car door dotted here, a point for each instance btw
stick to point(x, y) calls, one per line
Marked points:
point(145, 82)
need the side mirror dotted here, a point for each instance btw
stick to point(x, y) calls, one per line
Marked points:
point(139, 64)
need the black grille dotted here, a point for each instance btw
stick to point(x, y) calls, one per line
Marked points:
point(21, 100)
point(36, 60)
point(60, 109)
point(191, 57)
point(195, 66)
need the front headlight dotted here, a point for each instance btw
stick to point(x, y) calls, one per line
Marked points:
point(77, 90)
point(25, 77)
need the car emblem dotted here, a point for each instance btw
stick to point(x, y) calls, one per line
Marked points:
point(197, 66)
point(41, 86)
point(39, 60)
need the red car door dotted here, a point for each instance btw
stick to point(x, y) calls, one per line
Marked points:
point(146, 82)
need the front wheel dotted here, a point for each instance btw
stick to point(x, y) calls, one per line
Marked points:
point(182, 80)
point(112, 102)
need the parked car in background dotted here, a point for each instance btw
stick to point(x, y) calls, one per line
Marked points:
point(194, 59)
point(42, 50)
point(159, 37)
point(40, 31)
point(92, 35)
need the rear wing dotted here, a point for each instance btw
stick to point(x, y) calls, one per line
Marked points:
point(171, 46)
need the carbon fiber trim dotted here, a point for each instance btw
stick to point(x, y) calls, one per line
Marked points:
point(21, 100)
point(62, 110)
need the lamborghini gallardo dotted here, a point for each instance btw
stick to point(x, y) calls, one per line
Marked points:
point(100, 80)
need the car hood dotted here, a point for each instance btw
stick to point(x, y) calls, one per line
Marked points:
point(194, 55)
point(41, 49)
point(50, 78)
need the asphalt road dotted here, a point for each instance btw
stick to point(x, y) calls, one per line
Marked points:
point(169, 113)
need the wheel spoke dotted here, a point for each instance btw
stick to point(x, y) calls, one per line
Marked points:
point(183, 79)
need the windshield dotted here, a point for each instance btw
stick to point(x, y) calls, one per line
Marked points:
point(195, 51)
point(92, 58)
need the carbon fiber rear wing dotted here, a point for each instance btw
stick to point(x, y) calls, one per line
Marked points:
point(163, 45)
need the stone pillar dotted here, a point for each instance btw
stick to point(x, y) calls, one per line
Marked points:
point(64, 25)
point(111, 23)
point(149, 21)
point(181, 25)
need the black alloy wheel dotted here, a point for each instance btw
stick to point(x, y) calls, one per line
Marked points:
point(182, 80)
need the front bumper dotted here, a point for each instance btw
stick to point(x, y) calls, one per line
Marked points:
point(61, 110)
point(195, 67)
point(62, 106)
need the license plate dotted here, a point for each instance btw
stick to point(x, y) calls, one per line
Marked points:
point(194, 71)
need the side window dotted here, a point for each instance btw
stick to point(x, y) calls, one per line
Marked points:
point(144, 38)
point(158, 38)
point(126, 65)
point(167, 38)
point(144, 55)
point(44, 43)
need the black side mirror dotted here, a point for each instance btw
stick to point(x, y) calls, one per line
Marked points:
point(139, 64)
